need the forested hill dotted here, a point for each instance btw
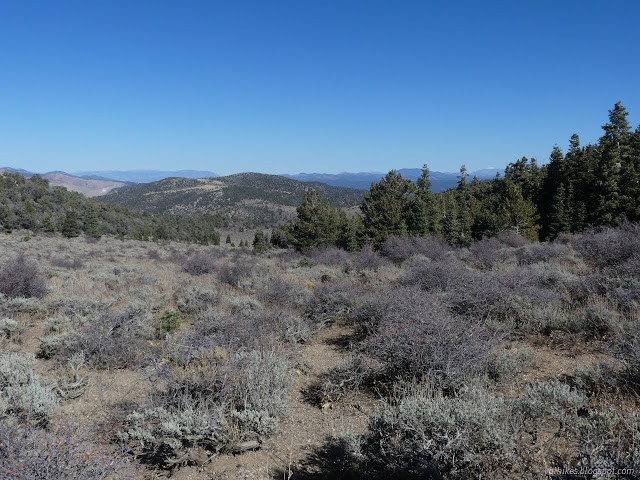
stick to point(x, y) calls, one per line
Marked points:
point(33, 204)
point(253, 197)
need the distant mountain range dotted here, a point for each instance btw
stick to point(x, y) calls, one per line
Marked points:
point(440, 181)
point(95, 183)
point(143, 176)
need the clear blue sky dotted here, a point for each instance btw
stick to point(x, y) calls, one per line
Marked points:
point(308, 85)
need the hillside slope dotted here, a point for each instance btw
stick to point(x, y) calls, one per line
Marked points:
point(253, 197)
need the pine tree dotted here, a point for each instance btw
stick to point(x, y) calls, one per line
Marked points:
point(464, 213)
point(615, 153)
point(91, 226)
point(70, 226)
point(450, 227)
point(387, 205)
point(317, 223)
point(228, 239)
point(554, 179)
point(559, 220)
point(520, 214)
point(425, 217)
point(259, 242)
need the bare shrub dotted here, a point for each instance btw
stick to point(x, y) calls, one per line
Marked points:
point(64, 452)
point(368, 259)
point(332, 301)
point(399, 249)
point(233, 272)
point(512, 239)
point(66, 262)
point(421, 338)
point(198, 264)
point(437, 275)
point(488, 252)
point(610, 247)
point(329, 256)
point(627, 350)
point(541, 252)
point(20, 277)
point(280, 290)
point(342, 380)
point(111, 341)
point(197, 300)
point(154, 254)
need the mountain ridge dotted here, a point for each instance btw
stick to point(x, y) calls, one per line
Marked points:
point(250, 197)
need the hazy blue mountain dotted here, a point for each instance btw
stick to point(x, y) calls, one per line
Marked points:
point(362, 180)
point(22, 172)
point(143, 176)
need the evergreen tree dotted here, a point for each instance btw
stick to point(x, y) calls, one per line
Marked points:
point(519, 213)
point(559, 220)
point(549, 208)
point(228, 239)
point(464, 214)
point(387, 206)
point(615, 147)
point(450, 228)
point(91, 226)
point(260, 242)
point(317, 223)
point(70, 226)
point(425, 217)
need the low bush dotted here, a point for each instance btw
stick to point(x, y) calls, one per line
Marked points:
point(423, 432)
point(20, 277)
point(400, 249)
point(11, 329)
point(198, 264)
point(66, 262)
point(506, 365)
point(233, 272)
point(63, 452)
point(212, 402)
point(21, 391)
point(342, 380)
point(332, 301)
point(421, 338)
point(513, 239)
point(488, 252)
point(368, 259)
point(196, 300)
point(541, 252)
point(329, 256)
point(111, 341)
point(610, 247)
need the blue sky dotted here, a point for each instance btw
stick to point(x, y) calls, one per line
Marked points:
point(308, 85)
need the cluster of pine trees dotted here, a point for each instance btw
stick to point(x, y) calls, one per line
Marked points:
point(32, 204)
point(589, 186)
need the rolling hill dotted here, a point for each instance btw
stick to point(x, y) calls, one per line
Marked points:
point(250, 197)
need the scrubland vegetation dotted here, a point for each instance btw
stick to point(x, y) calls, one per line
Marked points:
point(129, 359)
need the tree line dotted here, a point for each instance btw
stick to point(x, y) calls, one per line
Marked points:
point(32, 204)
point(595, 185)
